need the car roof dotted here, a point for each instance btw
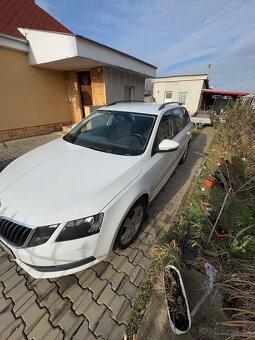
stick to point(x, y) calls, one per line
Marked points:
point(139, 107)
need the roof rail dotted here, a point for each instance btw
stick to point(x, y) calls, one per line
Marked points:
point(125, 101)
point(168, 103)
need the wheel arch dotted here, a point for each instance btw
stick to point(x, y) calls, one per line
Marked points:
point(145, 196)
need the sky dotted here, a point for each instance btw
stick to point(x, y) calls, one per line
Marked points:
point(177, 36)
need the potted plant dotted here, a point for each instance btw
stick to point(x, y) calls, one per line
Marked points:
point(177, 302)
point(210, 181)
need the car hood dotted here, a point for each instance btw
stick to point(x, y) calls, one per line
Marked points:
point(59, 182)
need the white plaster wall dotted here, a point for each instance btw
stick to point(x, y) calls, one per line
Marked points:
point(115, 82)
point(193, 87)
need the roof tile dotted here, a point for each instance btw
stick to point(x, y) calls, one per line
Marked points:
point(26, 14)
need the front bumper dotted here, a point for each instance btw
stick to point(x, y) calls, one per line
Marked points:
point(56, 271)
point(54, 259)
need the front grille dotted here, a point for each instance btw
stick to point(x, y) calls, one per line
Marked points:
point(13, 233)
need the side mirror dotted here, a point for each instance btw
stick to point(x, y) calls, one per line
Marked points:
point(168, 145)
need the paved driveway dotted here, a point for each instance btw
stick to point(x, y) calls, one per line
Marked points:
point(95, 303)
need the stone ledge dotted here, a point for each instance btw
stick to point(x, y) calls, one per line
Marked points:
point(31, 131)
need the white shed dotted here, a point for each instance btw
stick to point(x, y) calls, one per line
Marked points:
point(185, 89)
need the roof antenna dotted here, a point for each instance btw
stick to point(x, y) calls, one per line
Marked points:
point(209, 69)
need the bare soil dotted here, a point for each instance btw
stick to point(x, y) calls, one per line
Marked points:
point(175, 300)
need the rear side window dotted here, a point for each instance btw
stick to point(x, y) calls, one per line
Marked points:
point(186, 115)
point(179, 119)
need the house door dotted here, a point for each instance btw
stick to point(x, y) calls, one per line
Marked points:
point(129, 93)
point(86, 89)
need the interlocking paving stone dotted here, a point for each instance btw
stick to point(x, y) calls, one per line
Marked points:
point(112, 300)
point(66, 282)
point(108, 328)
point(164, 217)
point(8, 323)
point(84, 333)
point(91, 309)
point(128, 289)
point(8, 273)
point(19, 294)
point(68, 287)
point(18, 333)
point(43, 330)
point(82, 299)
point(139, 245)
point(101, 267)
point(140, 277)
point(112, 276)
point(124, 313)
point(61, 313)
point(5, 264)
point(13, 281)
point(147, 238)
point(41, 287)
point(30, 313)
point(86, 277)
point(2, 252)
point(121, 264)
point(92, 282)
point(160, 225)
point(128, 252)
point(97, 286)
point(67, 321)
point(4, 302)
point(142, 261)
point(150, 229)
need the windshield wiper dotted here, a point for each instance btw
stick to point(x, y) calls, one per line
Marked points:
point(98, 149)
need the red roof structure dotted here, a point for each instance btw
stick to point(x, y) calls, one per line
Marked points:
point(26, 14)
point(225, 93)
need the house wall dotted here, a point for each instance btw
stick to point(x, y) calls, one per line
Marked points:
point(193, 87)
point(33, 100)
point(115, 82)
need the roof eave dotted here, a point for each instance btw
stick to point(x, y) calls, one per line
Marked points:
point(14, 43)
point(51, 49)
point(115, 50)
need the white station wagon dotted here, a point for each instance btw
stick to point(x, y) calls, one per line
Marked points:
point(66, 204)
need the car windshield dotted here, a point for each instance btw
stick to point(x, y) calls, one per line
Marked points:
point(117, 132)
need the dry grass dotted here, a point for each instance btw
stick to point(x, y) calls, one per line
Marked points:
point(239, 290)
point(166, 253)
point(139, 309)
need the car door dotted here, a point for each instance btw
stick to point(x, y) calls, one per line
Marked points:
point(161, 163)
point(182, 128)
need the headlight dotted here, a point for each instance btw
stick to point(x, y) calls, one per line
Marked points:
point(81, 228)
point(42, 234)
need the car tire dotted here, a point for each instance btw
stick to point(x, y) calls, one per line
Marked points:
point(186, 151)
point(131, 225)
